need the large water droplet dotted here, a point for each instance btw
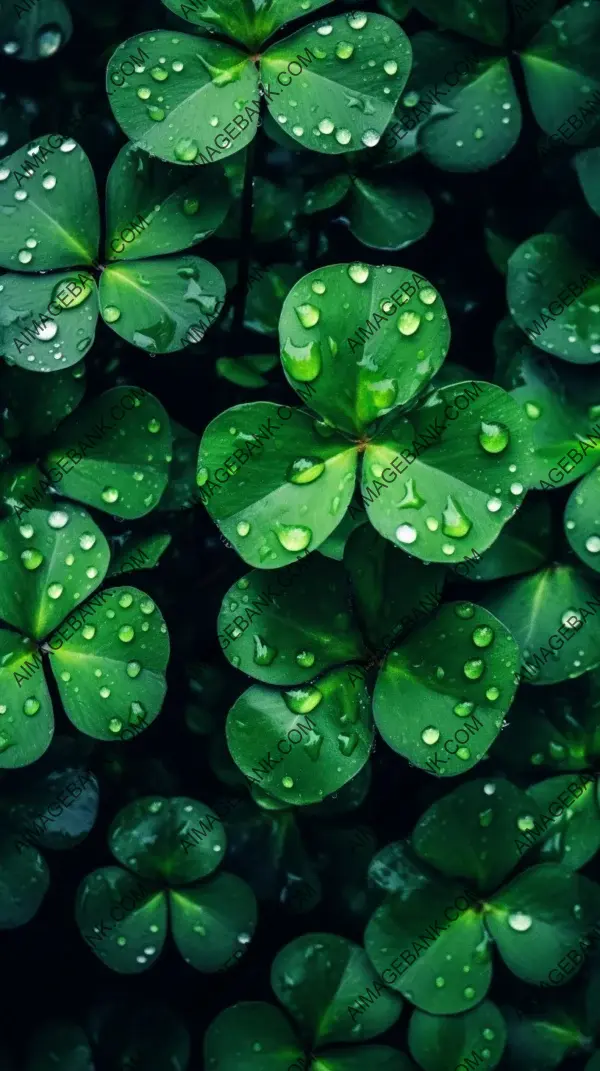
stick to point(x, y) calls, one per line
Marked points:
point(455, 523)
point(430, 735)
point(483, 636)
point(359, 273)
point(493, 437)
point(294, 536)
point(408, 322)
point(263, 653)
point(473, 668)
point(305, 470)
point(302, 700)
point(406, 533)
point(309, 315)
point(519, 921)
point(302, 362)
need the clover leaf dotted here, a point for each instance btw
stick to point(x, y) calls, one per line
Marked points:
point(206, 86)
point(109, 670)
point(534, 920)
point(475, 440)
point(168, 883)
point(153, 304)
point(315, 977)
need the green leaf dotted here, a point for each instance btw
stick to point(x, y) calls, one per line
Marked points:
point(391, 591)
point(123, 439)
point(249, 23)
point(523, 545)
point(536, 608)
point(538, 918)
point(400, 354)
point(59, 1042)
point(135, 553)
point(48, 214)
point(587, 167)
point(306, 629)
point(122, 945)
point(454, 832)
point(210, 79)
point(242, 372)
point(329, 974)
point(396, 9)
point(211, 921)
point(341, 91)
point(453, 695)
point(471, 466)
point(437, 1043)
point(386, 215)
point(556, 399)
point(266, 295)
point(161, 826)
point(74, 820)
point(45, 28)
point(295, 462)
point(326, 194)
point(251, 1036)
point(38, 587)
point(485, 20)
point(335, 737)
point(178, 210)
point(561, 72)
point(543, 1038)
point(155, 304)
point(539, 273)
point(582, 519)
point(38, 413)
point(430, 948)
point(26, 737)
point(24, 883)
point(573, 835)
point(37, 341)
point(110, 675)
point(468, 98)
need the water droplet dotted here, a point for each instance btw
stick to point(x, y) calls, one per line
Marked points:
point(370, 138)
point(147, 606)
point(31, 558)
point(242, 528)
point(88, 632)
point(465, 610)
point(263, 653)
point(155, 113)
point(408, 322)
point(25, 257)
point(159, 74)
point(463, 753)
point(485, 817)
point(464, 708)
point(109, 494)
point(326, 127)
point(493, 437)
point(469, 992)
point(492, 693)
point(519, 921)
point(473, 668)
point(302, 700)
point(305, 470)
point(306, 659)
point(318, 287)
point(406, 533)
point(115, 724)
point(186, 150)
point(302, 362)
point(87, 541)
point(287, 782)
point(104, 692)
point(455, 523)
point(55, 591)
point(133, 669)
point(347, 743)
point(571, 619)
point(494, 504)
point(65, 676)
point(111, 314)
point(532, 410)
point(294, 537)
point(343, 136)
point(357, 20)
point(592, 544)
point(31, 706)
point(430, 735)
point(5, 742)
point(325, 29)
point(58, 518)
point(483, 636)
point(177, 66)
